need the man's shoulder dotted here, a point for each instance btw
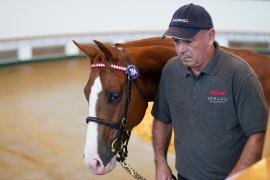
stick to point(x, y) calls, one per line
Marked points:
point(171, 68)
point(235, 63)
point(233, 59)
point(172, 63)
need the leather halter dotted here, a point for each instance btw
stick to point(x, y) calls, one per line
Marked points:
point(119, 145)
point(103, 122)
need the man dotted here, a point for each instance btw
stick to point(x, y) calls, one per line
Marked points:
point(213, 101)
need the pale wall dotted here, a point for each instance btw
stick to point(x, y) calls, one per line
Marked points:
point(23, 18)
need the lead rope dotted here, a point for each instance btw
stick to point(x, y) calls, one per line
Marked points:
point(122, 157)
point(131, 171)
point(134, 173)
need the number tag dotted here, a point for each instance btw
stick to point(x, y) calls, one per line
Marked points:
point(133, 71)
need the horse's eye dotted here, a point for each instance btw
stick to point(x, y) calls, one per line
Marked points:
point(114, 97)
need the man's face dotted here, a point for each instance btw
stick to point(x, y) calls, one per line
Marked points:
point(194, 53)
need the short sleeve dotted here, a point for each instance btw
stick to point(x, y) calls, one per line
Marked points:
point(251, 107)
point(160, 109)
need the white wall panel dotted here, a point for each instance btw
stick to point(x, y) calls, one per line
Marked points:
point(26, 18)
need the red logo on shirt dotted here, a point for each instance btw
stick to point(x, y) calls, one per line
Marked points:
point(217, 93)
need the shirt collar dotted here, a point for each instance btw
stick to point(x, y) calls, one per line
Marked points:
point(212, 67)
point(188, 72)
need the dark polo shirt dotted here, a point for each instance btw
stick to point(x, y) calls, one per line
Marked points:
point(212, 114)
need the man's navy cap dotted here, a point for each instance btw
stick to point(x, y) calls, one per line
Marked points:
point(187, 21)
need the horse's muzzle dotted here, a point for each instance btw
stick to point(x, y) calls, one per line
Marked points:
point(96, 166)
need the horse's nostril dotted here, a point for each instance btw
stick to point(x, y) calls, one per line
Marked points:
point(98, 163)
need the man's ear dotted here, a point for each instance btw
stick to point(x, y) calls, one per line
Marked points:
point(211, 36)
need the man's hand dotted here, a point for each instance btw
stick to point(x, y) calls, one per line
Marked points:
point(163, 171)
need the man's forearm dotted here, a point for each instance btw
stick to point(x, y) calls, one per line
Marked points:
point(251, 153)
point(161, 139)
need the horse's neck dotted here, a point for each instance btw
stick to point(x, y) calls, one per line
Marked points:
point(151, 60)
point(155, 41)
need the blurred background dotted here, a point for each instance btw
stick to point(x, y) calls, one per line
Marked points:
point(42, 75)
point(35, 29)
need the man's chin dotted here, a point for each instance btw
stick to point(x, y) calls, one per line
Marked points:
point(187, 63)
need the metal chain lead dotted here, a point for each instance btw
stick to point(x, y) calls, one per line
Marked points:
point(131, 171)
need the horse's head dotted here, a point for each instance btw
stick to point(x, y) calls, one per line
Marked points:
point(107, 92)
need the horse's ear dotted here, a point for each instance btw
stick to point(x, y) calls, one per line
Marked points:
point(88, 50)
point(108, 54)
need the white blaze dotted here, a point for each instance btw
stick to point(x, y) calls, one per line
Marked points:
point(93, 97)
point(91, 157)
point(90, 150)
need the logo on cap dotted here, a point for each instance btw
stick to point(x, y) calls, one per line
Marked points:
point(180, 20)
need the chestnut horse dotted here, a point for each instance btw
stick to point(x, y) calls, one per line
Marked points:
point(109, 90)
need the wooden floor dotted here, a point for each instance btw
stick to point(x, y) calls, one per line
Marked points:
point(42, 125)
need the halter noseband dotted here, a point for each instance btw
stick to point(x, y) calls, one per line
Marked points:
point(119, 145)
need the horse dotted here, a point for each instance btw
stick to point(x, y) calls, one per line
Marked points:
point(118, 100)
